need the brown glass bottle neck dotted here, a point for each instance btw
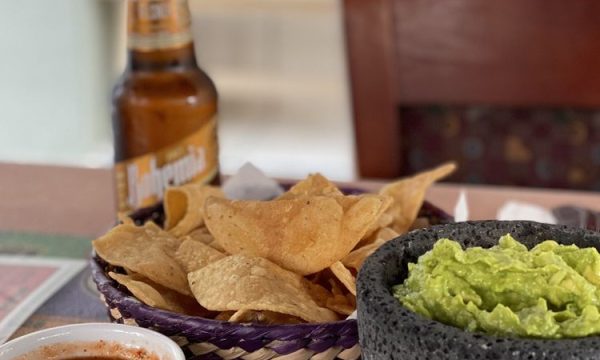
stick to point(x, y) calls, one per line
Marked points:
point(181, 58)
point(159, 35)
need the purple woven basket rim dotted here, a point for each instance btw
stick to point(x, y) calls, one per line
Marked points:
point(250, 337)
point(197, 329)
point(109, 288)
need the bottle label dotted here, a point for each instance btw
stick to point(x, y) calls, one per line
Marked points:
point(141, 181)
point(158, 24)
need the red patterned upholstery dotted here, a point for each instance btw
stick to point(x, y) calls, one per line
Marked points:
point(544, 148)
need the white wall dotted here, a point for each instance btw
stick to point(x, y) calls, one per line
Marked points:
point(280, 69)
point(278, 65)
point(53, 78)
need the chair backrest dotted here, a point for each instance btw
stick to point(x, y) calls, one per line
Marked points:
point(468, 58)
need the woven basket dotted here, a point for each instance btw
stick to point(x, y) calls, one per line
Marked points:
point(202, 338)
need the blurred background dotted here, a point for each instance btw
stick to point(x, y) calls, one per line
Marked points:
point(350, 88)
point(279, 67)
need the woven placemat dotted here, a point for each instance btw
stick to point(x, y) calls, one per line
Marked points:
point(19, 243)
point(78, 301)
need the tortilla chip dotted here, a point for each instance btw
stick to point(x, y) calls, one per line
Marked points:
point(356, 258)
point(336, 285)
point(241, 282)
point(368, 214)
point(134, 249)
point(386, 234)
point(193, 255)
point(152, 294)
point(304, 234)
point(184, 207)
point(383, 220)
point(263, 317)
point(203, 235)
point(331, 293)
point(200, 234)
point(313, 185)
point(318, 293)
point(125, 219)
point(409, 194)
point(345, 276)
point(225, 315)
point(420, 223)
point(341, 305)
point(351, 300)
point(157, 234)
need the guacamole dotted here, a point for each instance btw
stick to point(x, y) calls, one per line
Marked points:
point(550, 291)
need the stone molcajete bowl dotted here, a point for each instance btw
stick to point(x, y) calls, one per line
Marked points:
point(387, 330)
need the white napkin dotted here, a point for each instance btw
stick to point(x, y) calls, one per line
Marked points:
point(517, 210)
point(461, 210)
point(510, 210)
point(249, 183)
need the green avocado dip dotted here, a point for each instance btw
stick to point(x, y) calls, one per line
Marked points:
point(550, 291)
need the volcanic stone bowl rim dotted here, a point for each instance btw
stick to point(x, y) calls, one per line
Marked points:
point(390, 308)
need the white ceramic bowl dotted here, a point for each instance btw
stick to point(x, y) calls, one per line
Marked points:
point(129, 337)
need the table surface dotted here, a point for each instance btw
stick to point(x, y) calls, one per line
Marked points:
point(81, 202)
point(70, 206)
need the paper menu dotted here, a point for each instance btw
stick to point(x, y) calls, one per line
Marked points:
point(26, 283)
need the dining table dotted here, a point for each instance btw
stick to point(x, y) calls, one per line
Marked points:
point(55, 211)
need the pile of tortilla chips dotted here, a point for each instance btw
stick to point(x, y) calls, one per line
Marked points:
point(288, 260)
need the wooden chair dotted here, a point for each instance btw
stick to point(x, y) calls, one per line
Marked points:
point(409, 59)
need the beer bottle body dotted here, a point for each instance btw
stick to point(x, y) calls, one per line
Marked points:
point(164, 116)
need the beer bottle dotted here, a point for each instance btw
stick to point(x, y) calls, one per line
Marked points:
point(164, 108)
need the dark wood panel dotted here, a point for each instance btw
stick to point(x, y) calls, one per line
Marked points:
point(370, 47)
point(509, 52)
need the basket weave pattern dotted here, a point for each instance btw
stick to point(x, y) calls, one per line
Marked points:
point(212, 339)
point(202, 338)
